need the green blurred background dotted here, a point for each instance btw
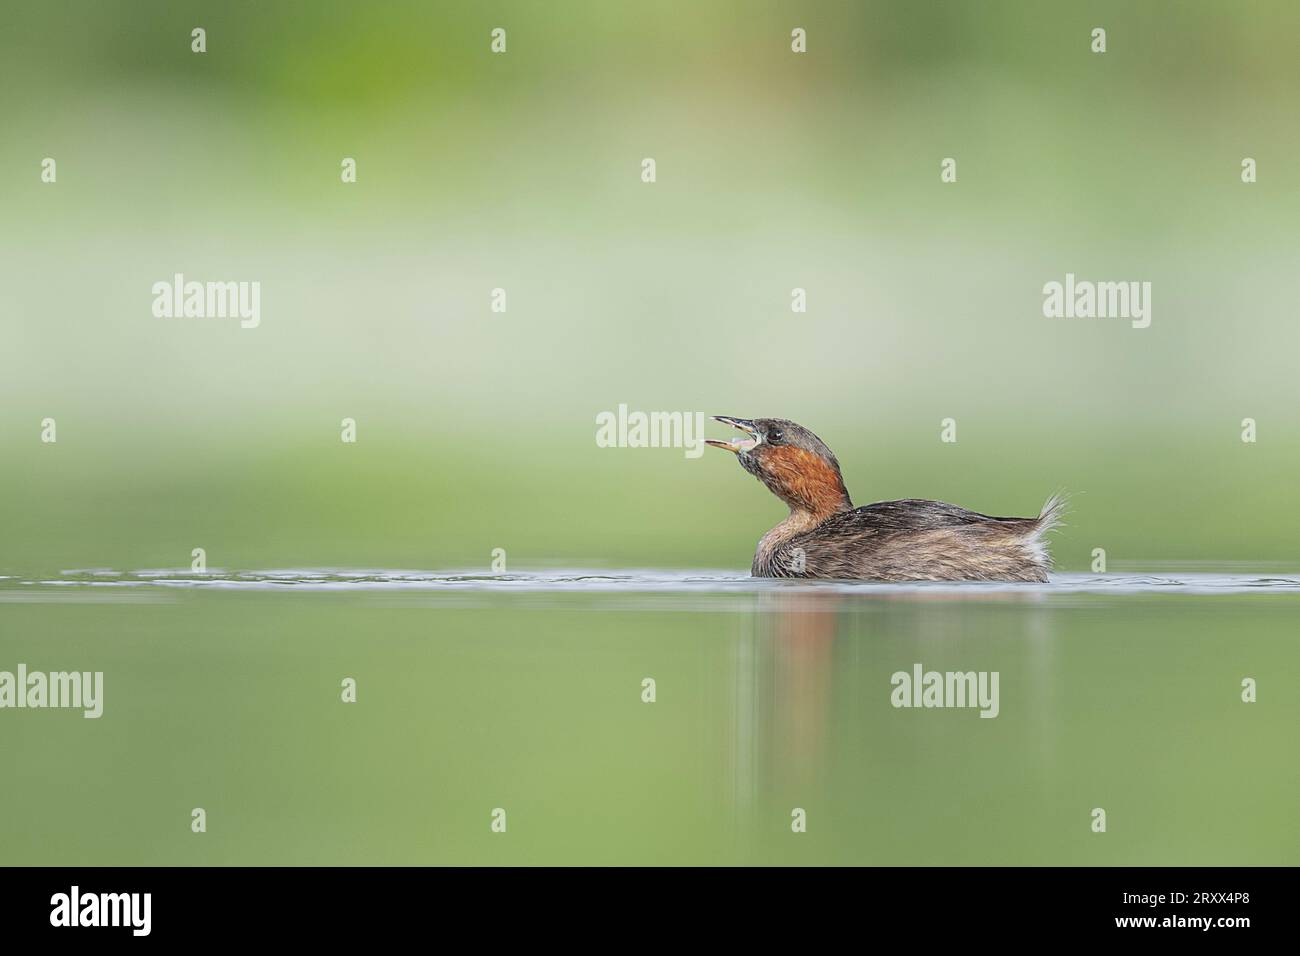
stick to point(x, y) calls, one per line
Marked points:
point(521, 171)
point(477, 430)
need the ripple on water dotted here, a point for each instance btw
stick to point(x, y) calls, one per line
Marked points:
point(631, 581)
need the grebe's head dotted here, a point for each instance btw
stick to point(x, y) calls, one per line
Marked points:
point(794, 463)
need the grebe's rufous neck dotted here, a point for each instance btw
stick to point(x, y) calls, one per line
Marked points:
point(824, 536)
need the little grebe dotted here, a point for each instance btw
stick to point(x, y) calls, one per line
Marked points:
point(911, 540)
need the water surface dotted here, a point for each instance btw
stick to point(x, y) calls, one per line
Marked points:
point(523, 691)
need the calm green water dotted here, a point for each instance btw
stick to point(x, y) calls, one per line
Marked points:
point(525, 693)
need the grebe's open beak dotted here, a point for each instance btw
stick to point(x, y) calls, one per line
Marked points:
point(740, 444)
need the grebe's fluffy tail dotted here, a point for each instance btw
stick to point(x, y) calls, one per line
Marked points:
point(1049, 519)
